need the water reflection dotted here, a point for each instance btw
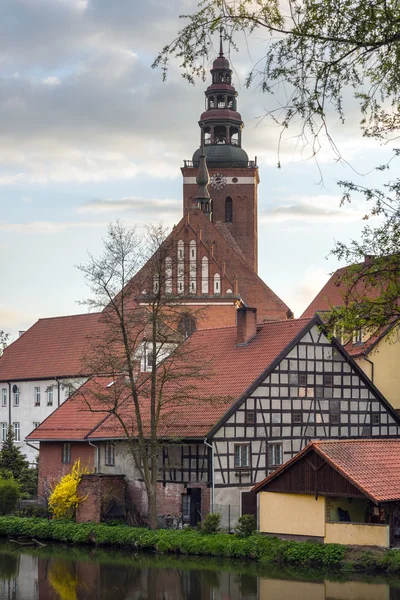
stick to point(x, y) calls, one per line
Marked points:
point(60, 573)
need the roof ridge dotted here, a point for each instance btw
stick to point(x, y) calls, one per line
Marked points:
point(69, 316)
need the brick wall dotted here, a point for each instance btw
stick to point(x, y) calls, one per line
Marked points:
point(100, 492)
point(169, 497)
point(51, 467)
point(244, 199)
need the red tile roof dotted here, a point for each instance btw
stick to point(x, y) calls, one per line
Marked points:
point(332, 296)
point(373, 466)
point(233, 370)
point(53, 347)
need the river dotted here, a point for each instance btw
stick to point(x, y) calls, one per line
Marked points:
point(59, 572)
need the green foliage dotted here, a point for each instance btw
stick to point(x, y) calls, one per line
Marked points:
point(263, 550)
point(14, 465)
point(211, 523)
point(247, 526)
point(9, 496)
point(316, 49)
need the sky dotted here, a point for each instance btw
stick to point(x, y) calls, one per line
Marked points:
point(90, 133)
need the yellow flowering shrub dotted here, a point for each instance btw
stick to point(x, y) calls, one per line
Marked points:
point(64, 498)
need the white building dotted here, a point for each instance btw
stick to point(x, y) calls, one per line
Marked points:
point(39, 370)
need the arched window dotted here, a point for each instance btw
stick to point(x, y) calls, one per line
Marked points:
point(192, 268)
point(187, 326)
point(204, 275)
point(181, 267)
point(228, 210)
point(217, 283)
point(168, 275)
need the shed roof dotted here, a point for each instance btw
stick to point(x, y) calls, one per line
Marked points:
point(371, 465)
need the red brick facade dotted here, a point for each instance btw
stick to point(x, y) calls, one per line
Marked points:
point(51, 467)
point(243, 227)
point(100, 492)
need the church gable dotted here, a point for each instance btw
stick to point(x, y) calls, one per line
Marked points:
point(315, 391)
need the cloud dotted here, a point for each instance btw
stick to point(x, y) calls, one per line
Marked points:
point(47, 227)
point(317, 208)
point(314, 278)
point(141, 205)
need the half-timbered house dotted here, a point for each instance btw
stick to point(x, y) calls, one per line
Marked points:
point(273, 388)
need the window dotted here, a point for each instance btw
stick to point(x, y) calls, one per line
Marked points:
point(358, 336)
point(302, 379)
point(110, 454)
point(241, 456)
point(37, 396)
point(66, 452)
point(338, 333)
point(49, 393)
point(4, 396)
point(187, 326)
point(319, 392)
point(250, 417)
point(186, 508)
point(334, 411)
point(297, 417)
point(4, 428)
point(375, 418)
point(17, 432)
point(228, 210)
point(36, 424)
point(328, 380)
point(16, 395)
point(275, 455)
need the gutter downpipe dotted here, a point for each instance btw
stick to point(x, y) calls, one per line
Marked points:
point(9, 403)
point(97, 456)
point(212, 475)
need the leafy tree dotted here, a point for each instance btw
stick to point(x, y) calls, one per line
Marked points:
point(14, 465)
point(317, 54)
point(315, 50)
point(371, 285)
point(140, 346)
point(9, 495)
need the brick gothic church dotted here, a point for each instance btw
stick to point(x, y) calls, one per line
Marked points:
point(216, 241)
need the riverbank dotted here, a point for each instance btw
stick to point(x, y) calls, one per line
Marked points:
point(261, 549)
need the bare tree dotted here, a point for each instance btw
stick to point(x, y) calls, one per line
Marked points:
point(141, 346)
point(4, 340)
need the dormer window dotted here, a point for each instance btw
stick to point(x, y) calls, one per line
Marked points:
point(358, 336)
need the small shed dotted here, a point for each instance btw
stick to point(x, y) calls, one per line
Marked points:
point(336, 491)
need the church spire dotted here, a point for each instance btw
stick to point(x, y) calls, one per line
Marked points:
point(221, 50)
point(203, 199)
point(221, 124)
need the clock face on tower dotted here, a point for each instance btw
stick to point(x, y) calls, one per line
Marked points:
point(218, 181)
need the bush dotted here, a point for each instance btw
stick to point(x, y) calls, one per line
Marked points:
point(210, 524)
point(64, 497)
point(247, 526)
point(9, 496)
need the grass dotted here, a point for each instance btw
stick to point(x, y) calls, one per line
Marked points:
point(258, 548)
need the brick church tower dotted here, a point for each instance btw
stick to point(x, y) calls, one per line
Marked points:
point(233, 178)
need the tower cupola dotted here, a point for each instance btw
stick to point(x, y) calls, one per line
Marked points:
point(221, 124)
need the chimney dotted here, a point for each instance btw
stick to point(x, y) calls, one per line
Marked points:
point(246, 325)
